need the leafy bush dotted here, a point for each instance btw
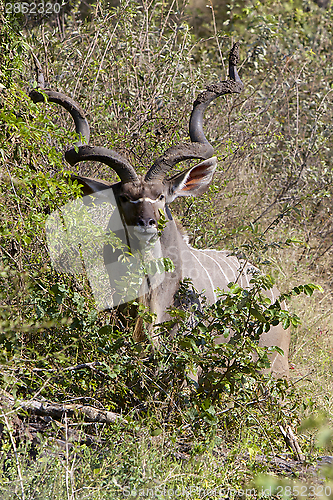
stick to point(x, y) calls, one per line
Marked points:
point(136, 71)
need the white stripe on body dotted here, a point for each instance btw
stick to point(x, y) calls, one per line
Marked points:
point(220, 268)
point(227, 260)
point(210, 280)
point(230, 269)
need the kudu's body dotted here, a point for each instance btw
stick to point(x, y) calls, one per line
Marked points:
point(140, 200)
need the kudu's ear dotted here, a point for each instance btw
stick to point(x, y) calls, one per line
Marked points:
point(193, 181)
point(92, 186)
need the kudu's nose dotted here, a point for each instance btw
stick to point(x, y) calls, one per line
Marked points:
point(149, 222)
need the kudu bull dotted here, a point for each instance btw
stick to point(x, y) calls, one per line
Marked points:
point(140, 200)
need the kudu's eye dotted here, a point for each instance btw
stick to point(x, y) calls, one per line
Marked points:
point(161, 197)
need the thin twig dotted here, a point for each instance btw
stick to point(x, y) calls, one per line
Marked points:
point(215, 34)
point(292, 383)
point(166, 20)
point(15, 453)
point(264, 431)
point(67, 458)
point(81, 366)
point(90, 51)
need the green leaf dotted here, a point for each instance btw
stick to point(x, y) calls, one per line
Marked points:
point(285, 323)
point(156, 432)
point(257, 314)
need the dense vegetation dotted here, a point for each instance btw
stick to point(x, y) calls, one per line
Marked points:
point(136, 69)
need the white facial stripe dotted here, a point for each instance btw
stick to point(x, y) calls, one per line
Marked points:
point(140, 200)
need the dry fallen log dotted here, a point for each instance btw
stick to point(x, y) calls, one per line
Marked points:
point(292, 443)
point(57, 410)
